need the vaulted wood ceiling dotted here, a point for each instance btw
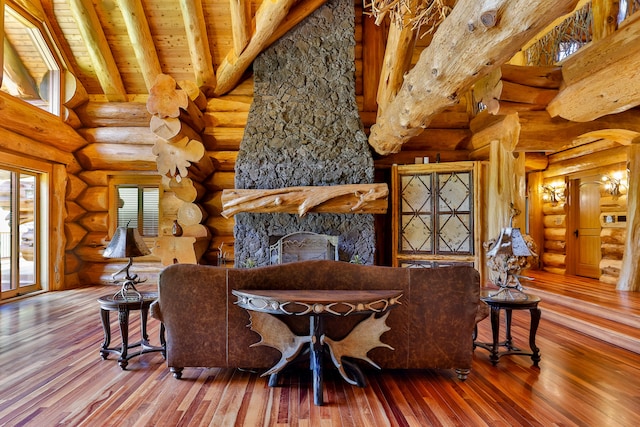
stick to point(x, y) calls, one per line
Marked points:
point(117, 47)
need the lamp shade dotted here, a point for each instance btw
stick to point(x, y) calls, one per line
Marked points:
point(510, 242)
point(126, 243)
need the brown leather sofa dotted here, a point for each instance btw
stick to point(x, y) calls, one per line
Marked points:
point(431, 328)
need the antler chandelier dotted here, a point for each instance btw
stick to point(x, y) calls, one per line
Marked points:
point(411, 13)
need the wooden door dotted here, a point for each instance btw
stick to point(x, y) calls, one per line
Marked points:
point(587, 233)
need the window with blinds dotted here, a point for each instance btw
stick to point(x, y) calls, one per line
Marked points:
point(138, 208)
point(136, 203)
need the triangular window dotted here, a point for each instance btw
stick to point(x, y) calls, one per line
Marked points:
point(30, 70)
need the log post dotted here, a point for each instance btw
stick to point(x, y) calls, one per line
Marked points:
point(181, 158)
point(630, 270)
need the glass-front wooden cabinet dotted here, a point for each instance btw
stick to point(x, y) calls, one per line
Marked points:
point(435, 214)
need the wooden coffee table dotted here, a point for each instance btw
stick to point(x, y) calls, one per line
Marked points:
point(317, 304)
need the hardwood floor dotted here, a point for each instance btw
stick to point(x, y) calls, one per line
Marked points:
point(53, 375)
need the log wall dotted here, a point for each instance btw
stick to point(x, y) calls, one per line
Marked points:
point(119, 143)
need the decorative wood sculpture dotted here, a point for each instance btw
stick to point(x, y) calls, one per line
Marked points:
point(349, 198)
point(182, 160)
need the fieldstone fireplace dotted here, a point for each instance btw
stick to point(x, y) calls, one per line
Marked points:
point(304, 129)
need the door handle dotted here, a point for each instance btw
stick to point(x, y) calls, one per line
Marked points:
point(575, 233)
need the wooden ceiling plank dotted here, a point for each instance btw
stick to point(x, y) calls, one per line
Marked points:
point(98, 47)
point(438, 79)
point(141, 40)
point(198, 42)
point(588, 77)
point(240, 24)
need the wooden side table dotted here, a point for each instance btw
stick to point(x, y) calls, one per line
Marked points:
point(508, 305)
point(110, 303)
point(316, 304)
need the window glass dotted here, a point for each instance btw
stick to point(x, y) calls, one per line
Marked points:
point(19, 243)
point(30, 70)
point(136, 202)
point(138, 208)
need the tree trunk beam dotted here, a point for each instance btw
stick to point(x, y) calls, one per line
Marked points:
point(437, 81)
point(190, 214)
point(198, 41)
point(546, 77)
point(141, 39)
point(105, 66)
point(119, 135)
point(397, 57)
point(269, 16)
point(349, 198)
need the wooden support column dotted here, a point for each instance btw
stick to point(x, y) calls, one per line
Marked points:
point(181, 159)
point(505, 183)
point(630, 271)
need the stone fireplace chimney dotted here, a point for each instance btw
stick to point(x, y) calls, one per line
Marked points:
point(304, 129)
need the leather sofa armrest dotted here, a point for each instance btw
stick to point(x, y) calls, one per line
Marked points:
point(155, 311)
point(483, 311)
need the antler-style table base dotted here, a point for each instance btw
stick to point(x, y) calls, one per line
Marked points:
point(264, 304)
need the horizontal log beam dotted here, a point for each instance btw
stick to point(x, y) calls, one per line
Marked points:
point(96, 114)
point(349, 198)
point(117, 157)
point(25, 119)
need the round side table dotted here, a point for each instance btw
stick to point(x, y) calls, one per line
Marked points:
point(508, 305)
point(124, 306)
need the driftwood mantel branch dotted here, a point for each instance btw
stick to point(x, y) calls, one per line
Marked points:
point(483, 34)
point(348, 198)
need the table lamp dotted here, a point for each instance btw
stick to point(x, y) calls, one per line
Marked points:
point(127, 243)
point(507, 256)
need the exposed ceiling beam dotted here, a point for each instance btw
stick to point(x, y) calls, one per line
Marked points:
point(473, 40)
point(397, 56)
point(590, 90)
point(198, 42)
point(268, 18)
point(95, 40)
point(240, 24)
point(141, 40)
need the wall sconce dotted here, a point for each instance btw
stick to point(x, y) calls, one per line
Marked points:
point(553, 193)
point(615, 183)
